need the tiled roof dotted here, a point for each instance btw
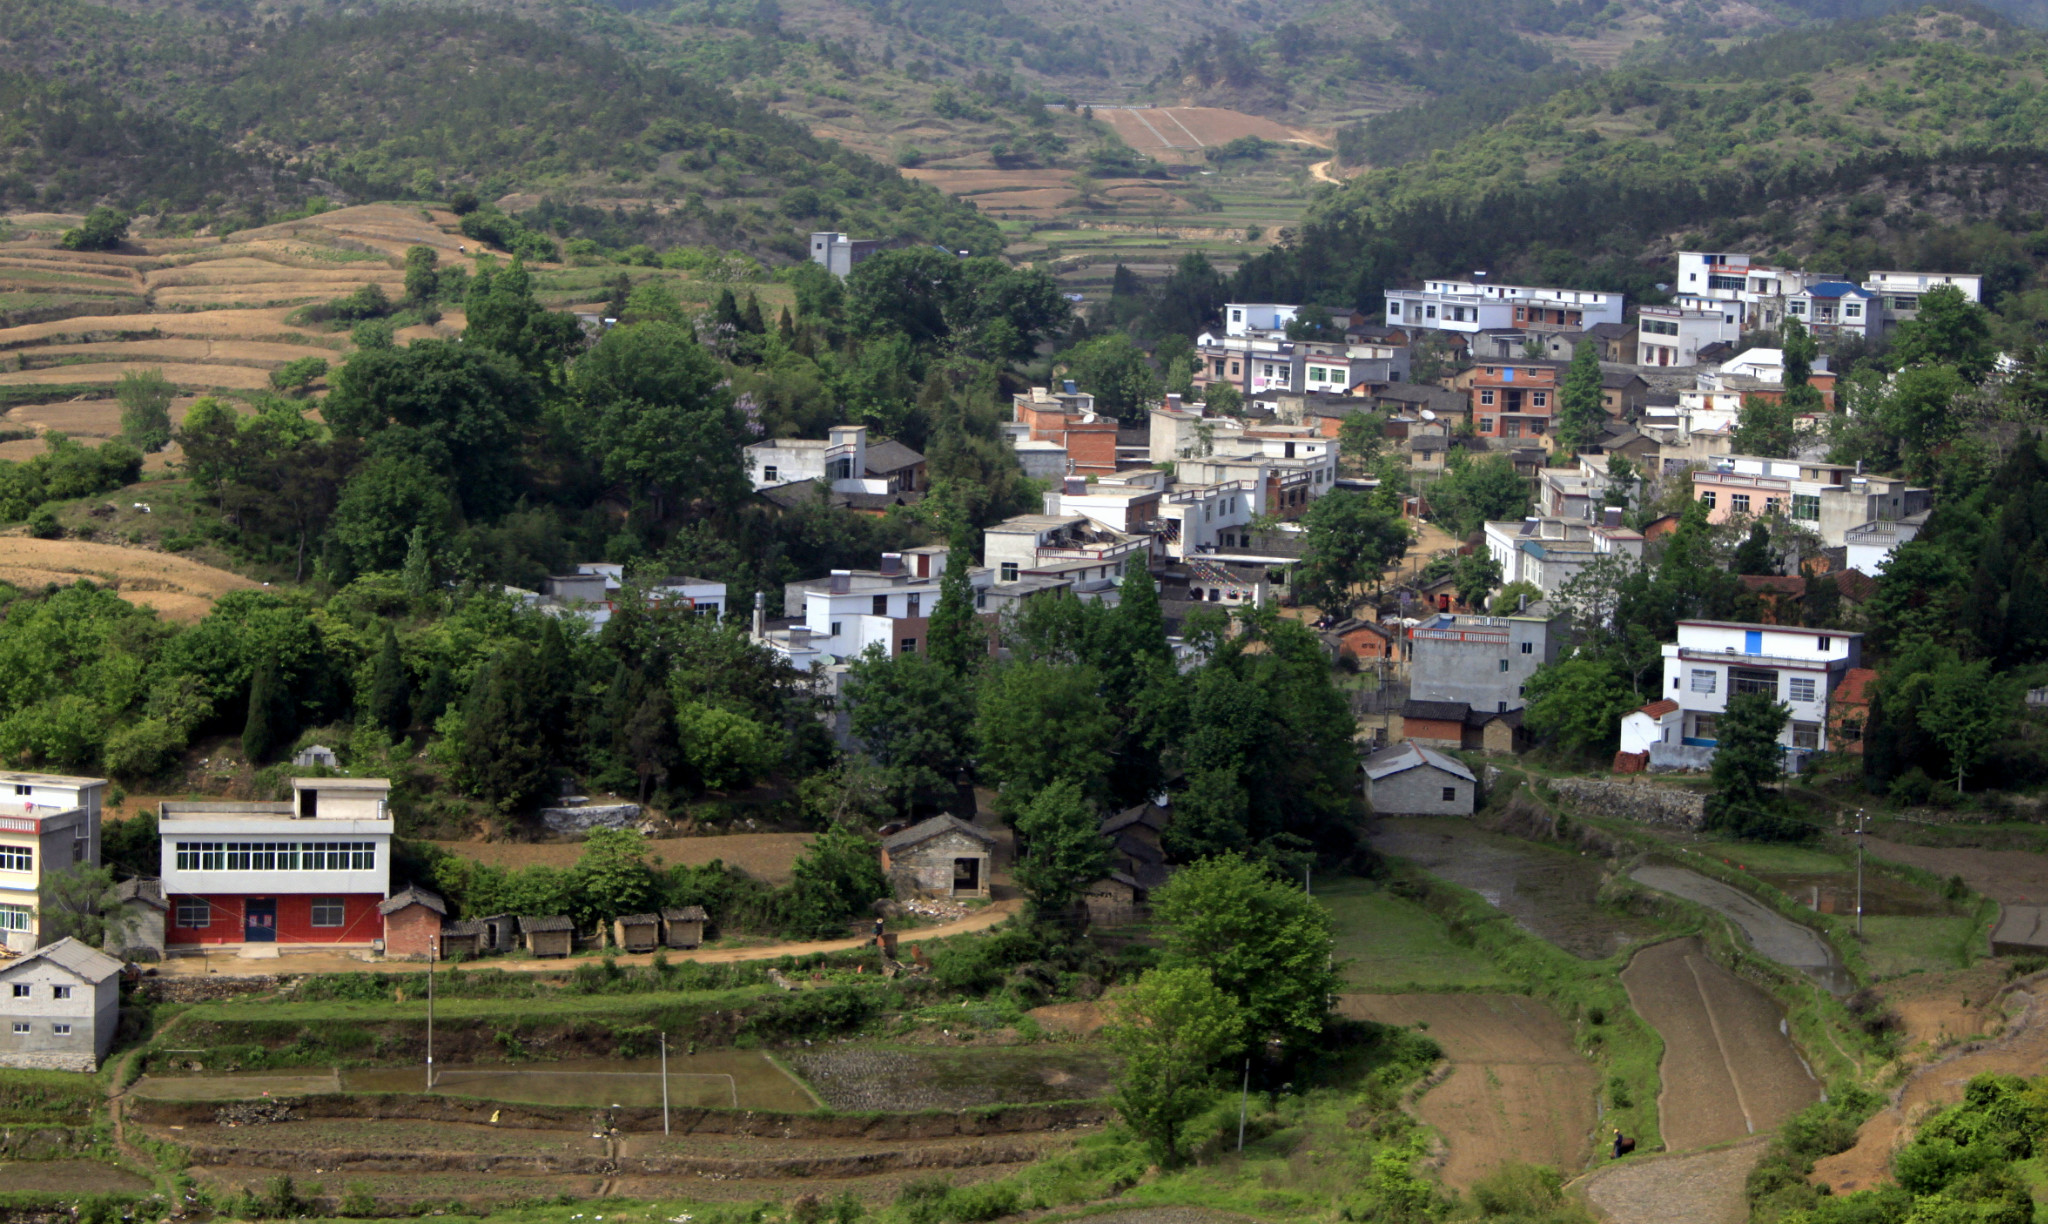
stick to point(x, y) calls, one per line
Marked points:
point(1436, 711)
point(414, 895)
point(1658, 709)
point(925, 830)
point(1855, 686)
point(89, 963)
point(551, 922)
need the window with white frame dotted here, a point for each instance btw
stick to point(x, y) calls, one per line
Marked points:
point(1806, 735)
point(1806, 507)
point(1009, 571)
point(1707, 499)
point(194, 913)
point(15, 917)
point(21, 990)
point(1752, 680)
point(768, 473)
point(17, 858)
point(60, 992)
point(61, 1030)
point(20, 1027)
point(1703, 680)
point(1799, 688)
point(1486, 395)
point(1738, 503)
point(328, 911)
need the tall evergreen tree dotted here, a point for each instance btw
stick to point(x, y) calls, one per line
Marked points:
point(503, 751)
point(268, 723)
point(1580, 415)
point(387, 703)
point(955, 637)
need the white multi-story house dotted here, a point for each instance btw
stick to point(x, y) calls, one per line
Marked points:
point(1714, 660)
point(1253, 318)
point(1203, 519)
point(1472, 306)
point(838, 617)
point(1550, 551)
point(1898, 293)
point(311, 871)
point(1835, 308)
point(1674, 335)
point(1829, 499)
point(1710, 280)
point(844, 459)
point(839, 254)
point(1287, 466)
point(48, 823)
point(592, 594)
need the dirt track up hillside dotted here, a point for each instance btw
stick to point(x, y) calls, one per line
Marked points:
point(1729, 1071)
point(1518, 1089)
point(2022, 1050)
point(1772, 934)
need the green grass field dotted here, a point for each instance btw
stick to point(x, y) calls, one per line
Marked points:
point(1386, 944)
point(1894, 946)
point(1771, 857)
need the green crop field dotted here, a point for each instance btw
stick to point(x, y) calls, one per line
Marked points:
point(1387, 944)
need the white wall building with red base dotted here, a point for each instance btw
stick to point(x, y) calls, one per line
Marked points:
point(306, 873)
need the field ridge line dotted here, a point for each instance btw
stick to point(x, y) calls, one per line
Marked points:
point(1720, 1041)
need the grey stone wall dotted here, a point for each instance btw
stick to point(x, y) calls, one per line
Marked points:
point(53, 1060)
point(1643, 803)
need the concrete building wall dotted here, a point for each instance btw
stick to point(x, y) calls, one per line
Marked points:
point(928, 867)
point(1420, 792)
point(91, 1014)
point(1482, 661)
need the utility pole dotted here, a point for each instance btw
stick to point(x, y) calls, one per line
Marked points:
point(1859, 873)
point(1244, 1103)
point(433, 945)
point(664, 1083)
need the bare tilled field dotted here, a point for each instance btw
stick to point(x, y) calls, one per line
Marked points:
point(886, 1078)
point(1729, 1071)
point(1518, 1089)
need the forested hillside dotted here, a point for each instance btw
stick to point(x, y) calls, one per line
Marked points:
point(1905, 141)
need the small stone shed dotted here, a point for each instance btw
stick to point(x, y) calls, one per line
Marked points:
point(59, 1007)
point(412, 922)
point(497, 933)
point(1411, 780)
point(550, 935)
point(637, 932)
point(1115, 900)
point(140, 908)
point(683, 928)
point(941, 857)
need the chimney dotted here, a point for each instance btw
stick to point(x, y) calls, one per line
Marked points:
point(1173, 401)
point(1074, 486)
point(1522, 603)
point(842, 581)
point(760, 615)
point(1611, 517)
point(892, 565)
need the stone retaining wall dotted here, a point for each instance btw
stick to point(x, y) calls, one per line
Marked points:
point(209, 989)
point(53, 1061)
point(1642, 802)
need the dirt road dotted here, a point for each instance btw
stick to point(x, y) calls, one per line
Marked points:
point(227, 965)
point(1518, 1089)
point(1729, 1071)
point(1697, 1188)
point(2022, 1050)
point(1772, 934)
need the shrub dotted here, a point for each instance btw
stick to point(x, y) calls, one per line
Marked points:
point(43, 524)
point(104, 230)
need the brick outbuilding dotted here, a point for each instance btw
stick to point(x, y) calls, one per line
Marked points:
point(412, 922)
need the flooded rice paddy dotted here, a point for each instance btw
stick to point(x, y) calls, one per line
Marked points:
point(1549, 892)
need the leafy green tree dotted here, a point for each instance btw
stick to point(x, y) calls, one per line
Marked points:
point(1948, 330)
point(387, 702)
point(104, 229)
point(611, 877)
point(1266, 942)
point(915, 718)
point(1116, 373)
point(1748, 763)
point(1473, 492)
point(1580, 414)
point(390, 499)
point(422, 279)
point(299, 376)
point(660, 421)
point(1766, 427)
point(267, 726)
point(836, 880)
point(1917, 413)
point(1222, 399)
point(1579, 702)
point(145, 397)
point(1040, 722)
point(727, 749)
point(1477, 575)
point(1062, 850)
point(1171, 1030)
point(81, 902)
point(1348, 542)
point(1362, 437)
point(1966, 708)
point(1510, 597)
point(503, 315)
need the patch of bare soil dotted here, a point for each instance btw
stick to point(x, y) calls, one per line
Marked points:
point(1518, 1089)
point(1697, 1188)
point(178, 588)
point(2012, 876)
point(2022, 1050)
point(1936, 1009)
point(1728, 1070)
point(1072, 1019)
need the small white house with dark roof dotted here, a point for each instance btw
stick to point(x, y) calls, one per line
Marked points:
point(59, 1007)
point(1411, 780)
point(941, 857)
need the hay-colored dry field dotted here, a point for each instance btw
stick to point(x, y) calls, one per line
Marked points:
point(180, 589)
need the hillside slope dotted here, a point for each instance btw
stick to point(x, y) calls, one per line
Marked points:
point(1910, 140)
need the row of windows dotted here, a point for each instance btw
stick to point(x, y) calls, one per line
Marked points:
point(196, 913)
point(1850, 310)
point(276, 856)
point(23, 990)
point(17, 858)
point(1660, 327)
point(1746, 680)
point(1538, 399)
point(22, 1028)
